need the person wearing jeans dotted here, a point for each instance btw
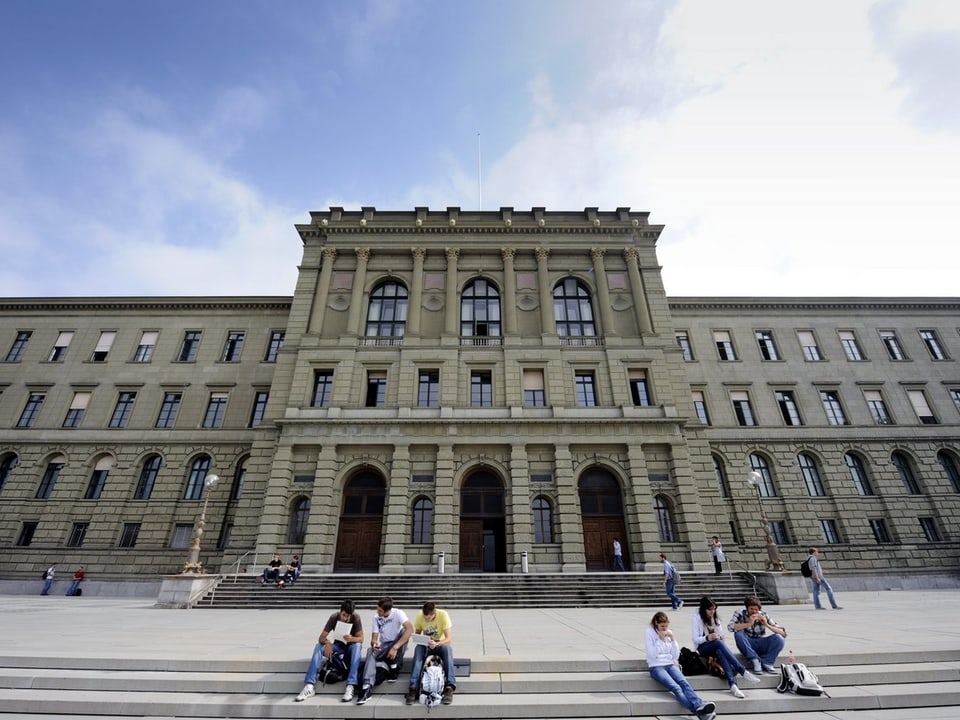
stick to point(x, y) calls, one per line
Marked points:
point(388, 642)
point(749, 626)
point(819, 581)
point(350, 644)
point(436, 625)
point(662, 654)
point(670, 582)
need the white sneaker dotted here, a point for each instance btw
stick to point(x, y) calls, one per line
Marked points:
point(680, 606)
point(347, 694)
point(305, 693)
point(750, 677)
point(736, 692)
point(757, 669)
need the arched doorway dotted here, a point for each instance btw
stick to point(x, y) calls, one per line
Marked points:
point(601, 509)
point(361, 524)
point(483, 535)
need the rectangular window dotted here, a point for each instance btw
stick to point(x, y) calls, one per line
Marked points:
point(274, 345)
point(534, 394)
point(123, 409)
point(31, 410)
point(128, 536)
point(768, 348)
point(878, 408)
point(700, 407)
point(78, 534)
point(683, 341)
point(104, 344)
point(376, 388)
point(232, 347)
point(216, 409)
point(721, 339)
point(932, 342)
point(19, 345)
point(481, 388)
point(48, 480)
point(428, 388)
point(880, 532)
point(148, 341)
point(808, 344)
point(586, 389)
point(182, 535)
point(788, 407)
point(955, 396)
point(892, 344)
point(189, 346)
point(259, 407)
point(322, 388)
point(828, 530)
point(169, 409)
point(98, 478)
point(930, 531)
point(59, 350)
point(832, 407)
point(78, 407)
point(27, 531)
point(742, 408)
point(851, 347)
point(778, 531)
point(920, 406)
point(639, 388)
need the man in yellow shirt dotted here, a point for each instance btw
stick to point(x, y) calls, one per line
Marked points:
point(436, 625)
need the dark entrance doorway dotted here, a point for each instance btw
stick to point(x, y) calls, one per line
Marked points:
point(601, 509)
point(483, 536)
point(361, 524)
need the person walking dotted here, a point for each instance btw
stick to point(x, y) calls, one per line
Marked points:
point(819, 581)
point(617, 555)
point(75, 583)
point(48, 579)
point(670, 577)
point(716, 550)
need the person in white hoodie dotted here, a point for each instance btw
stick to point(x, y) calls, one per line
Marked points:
point(708, 641)
point(662, 654)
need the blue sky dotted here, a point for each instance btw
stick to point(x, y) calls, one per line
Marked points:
point(168, 148)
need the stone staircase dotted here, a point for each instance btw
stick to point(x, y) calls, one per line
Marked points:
point(893, 686)
point(488, 590)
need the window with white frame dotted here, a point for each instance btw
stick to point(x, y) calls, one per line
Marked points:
point(104, 344)
point(787, 403)
point(811, 475)
point(572, 309)
point(146, 346)
point(877, 407)
point(892, 345)
point(98, 478)
point(481, 388)
point(216, 410)
point(850, 344)
point(123, 409)
point(233, 346)
point(742, 408)
point(931, 340)
point(767, 345)
point(639, 388)
point(480, 310)
point(387, 312)
point(274, 345)
point(832, 407)
point(31, 409)
point(858, 473)
point(59, 349)
point(259, 410)
point(585, 388)
point(921, 407)
point(534, 394)
point(724, 344)
point(765, 487)
point(683, 341)
point(322, 388)
point(149, 470)
point(428, 388)
point(78, 406)
point(19, 345)
point(828, 531)
point(376, 395)
point(168, 410)
point(808, 345)
point(907, 472)
point(189, 346)
point(700, 407)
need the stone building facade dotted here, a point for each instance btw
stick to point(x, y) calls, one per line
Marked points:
point(483, 385)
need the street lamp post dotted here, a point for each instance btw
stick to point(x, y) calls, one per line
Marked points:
point(773, 552)
point(193, 564)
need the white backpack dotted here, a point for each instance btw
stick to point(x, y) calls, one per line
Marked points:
point(800, 680)
point(432, 681)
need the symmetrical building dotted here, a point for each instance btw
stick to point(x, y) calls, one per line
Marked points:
point(482, 385)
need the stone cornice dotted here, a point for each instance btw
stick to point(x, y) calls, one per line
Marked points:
point(815, 304)
point(123, 304)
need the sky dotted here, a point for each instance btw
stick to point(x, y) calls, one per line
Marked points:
point(168, 147)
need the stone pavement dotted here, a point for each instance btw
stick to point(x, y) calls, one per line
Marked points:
point(56, 626)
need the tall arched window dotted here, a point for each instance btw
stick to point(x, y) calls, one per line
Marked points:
point(811, 474)
point(239, 477)
point(759, 463)
point(98, 478)
point(947, 461)
point(387, 314)
point(421, 531)
point(720, 473)
point(663, 509)
point(480, 310)
point(905, 468)
point(858, 473)
point(572, 309)
point(299, 517)
point(198, 473)
point(148, 477)
point(542, 521)
point(7, 464)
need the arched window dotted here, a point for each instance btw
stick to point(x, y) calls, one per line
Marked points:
point(542, 521)
point(759, 464)
point(387, 314)
point(50, 476)
point(947, 461)
point(664, 512)
point(299, 516)
point(7, 464)
point(908, 475)
point(239, 476)
point(98, 478)
point(858, 473)
point(148, 477)
point(480, 310)
point(198, 473)
point(720, 473)
point(811, 474)
point(422, 529)
point(572, 309)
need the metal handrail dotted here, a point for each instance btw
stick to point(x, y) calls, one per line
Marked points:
point(236, 571)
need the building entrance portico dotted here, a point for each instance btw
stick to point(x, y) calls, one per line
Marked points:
point(361, 524)
point(483, 537)
point(601, 507)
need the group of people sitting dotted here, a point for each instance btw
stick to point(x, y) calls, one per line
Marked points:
point(758, 638)
point(391, 631)
point(278, 574)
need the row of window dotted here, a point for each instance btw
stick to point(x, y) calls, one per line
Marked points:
point(143, 352)
point(830, 533)
point(166, 418)
point(810, 348)
point(830, 400)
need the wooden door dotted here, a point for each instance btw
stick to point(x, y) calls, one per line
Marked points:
point(471, 545)
point(361, 525)
point(598, 536)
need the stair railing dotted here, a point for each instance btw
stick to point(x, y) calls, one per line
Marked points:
point(236, 565)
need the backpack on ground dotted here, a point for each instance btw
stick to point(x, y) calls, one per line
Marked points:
point(800, 680)
point(691, 662)
point(432, 681)
point(805, 568)
point(334, 669)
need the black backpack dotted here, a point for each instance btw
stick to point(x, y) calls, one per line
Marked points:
point(334, 670)
point(805, 568)
point(692, 663)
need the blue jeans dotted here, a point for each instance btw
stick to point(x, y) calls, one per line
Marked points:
point(674, 600)
point(74, 584)
point(816, 593)
point(765, 649)
point(46, 586)
point(719, 650)
point(618, 562)
point(446, 657)
point(673, 680)
point(351, 654)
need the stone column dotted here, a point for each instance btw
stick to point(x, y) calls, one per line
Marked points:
point(452, 309)
point(446, 520)
point(396, 512)
point(416, 292)
point(521, 514)
point(603, 292)
point(637, 289)
point(569, 521)
point(641, 521)
point(509, 292)
point(323, 291)
point(356, 297)
point(320, 543)
point(547, 324)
